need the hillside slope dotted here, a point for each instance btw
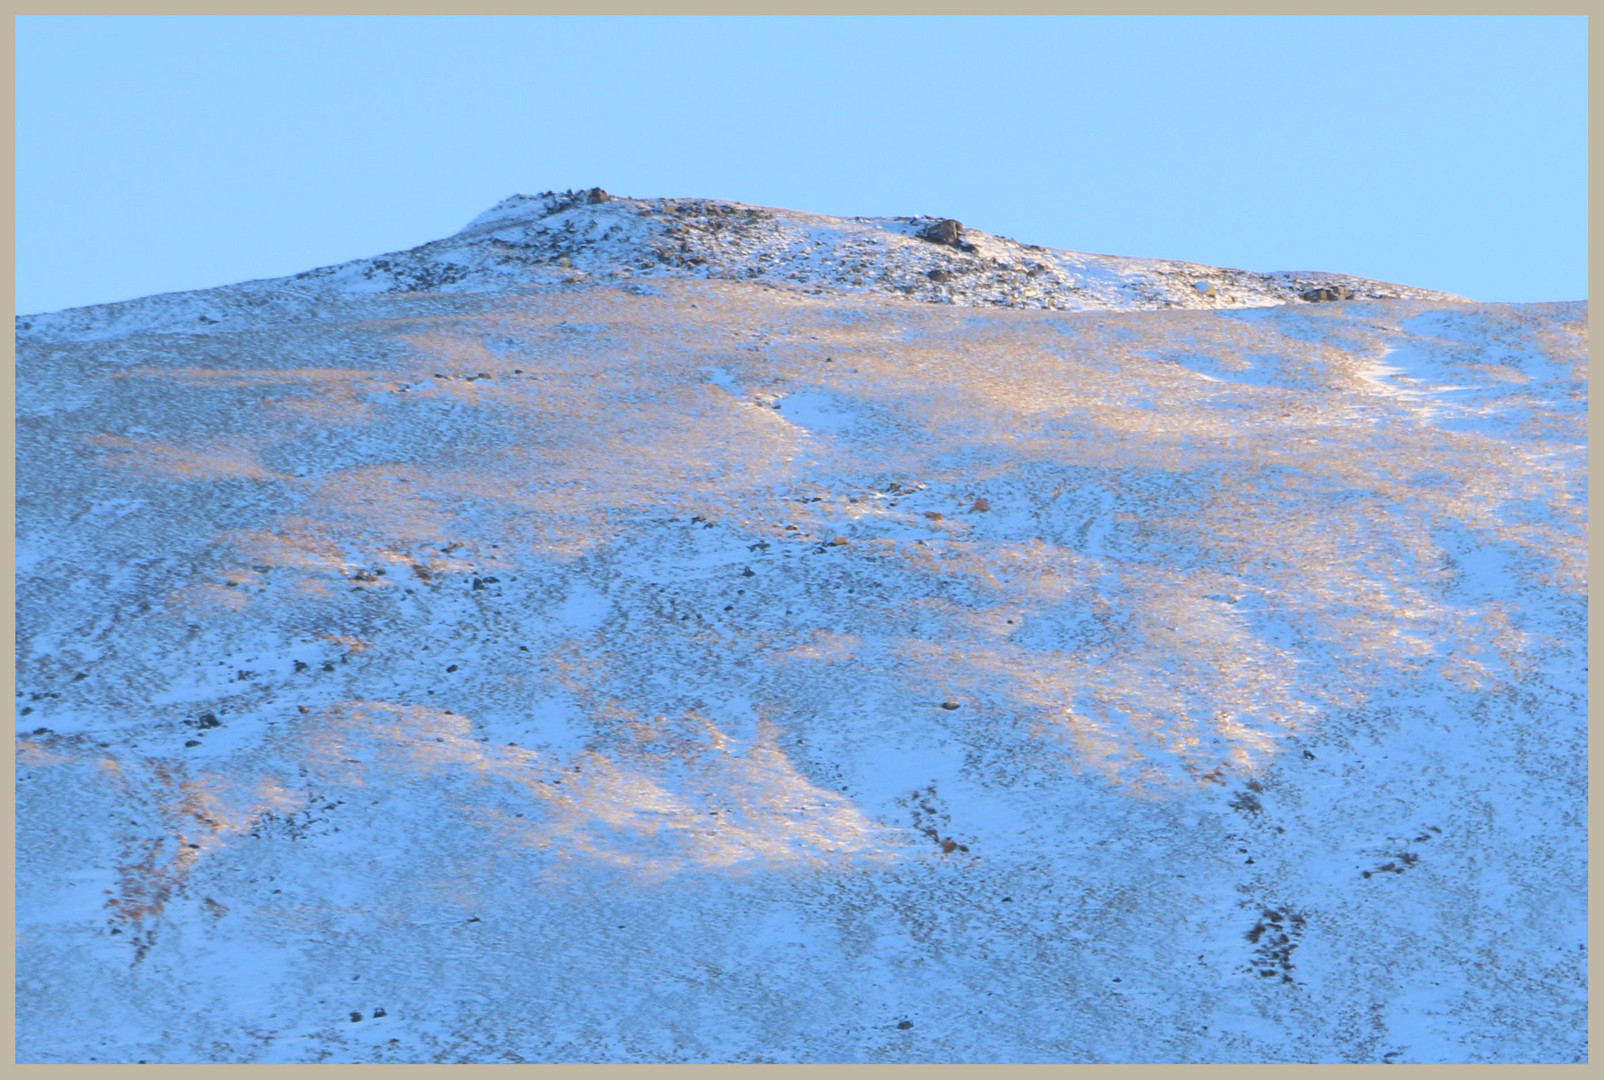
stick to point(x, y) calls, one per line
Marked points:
point(641, 659)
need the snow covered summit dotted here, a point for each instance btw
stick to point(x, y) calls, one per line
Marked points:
point(923, 258)
point(590, 236)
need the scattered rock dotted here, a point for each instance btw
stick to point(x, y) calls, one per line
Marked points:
point(1276, 936)
point(1400, 862)
point(1247, 803)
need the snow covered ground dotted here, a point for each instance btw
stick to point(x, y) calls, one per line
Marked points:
point(546, 646)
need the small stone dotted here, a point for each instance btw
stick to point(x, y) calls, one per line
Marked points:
point(938, 276)
point(356, 1017)
point(949, 705)
point(904, 1025)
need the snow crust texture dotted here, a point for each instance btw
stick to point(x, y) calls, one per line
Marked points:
point(757, 659)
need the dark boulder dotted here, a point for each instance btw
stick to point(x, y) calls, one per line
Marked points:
point(1327, 293)
point(938, 276)
point(948, 232)
point(596, 195)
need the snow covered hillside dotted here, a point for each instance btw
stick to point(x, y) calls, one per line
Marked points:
point(669, 630)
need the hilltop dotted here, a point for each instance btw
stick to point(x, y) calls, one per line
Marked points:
point(586, 237)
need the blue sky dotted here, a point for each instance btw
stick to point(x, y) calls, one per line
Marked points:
point(157, 154)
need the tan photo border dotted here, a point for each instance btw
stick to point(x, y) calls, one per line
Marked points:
point(614, 8)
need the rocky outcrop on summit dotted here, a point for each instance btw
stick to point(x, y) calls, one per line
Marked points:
point(1326, 293)
point(946, 231)
point(578, 238)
